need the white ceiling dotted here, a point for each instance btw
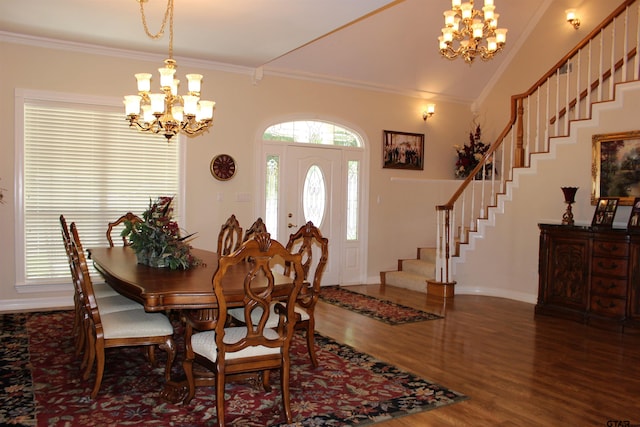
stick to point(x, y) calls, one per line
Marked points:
point(380, 44)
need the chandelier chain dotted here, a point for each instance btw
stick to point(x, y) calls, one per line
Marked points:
point(168, 17)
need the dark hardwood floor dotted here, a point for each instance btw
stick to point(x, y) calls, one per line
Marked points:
point(518, 369)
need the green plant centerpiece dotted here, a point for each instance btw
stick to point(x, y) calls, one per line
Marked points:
point(156, 239)
point(469, 155)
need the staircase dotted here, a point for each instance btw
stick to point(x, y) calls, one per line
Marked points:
point(605, 58)
point(412, 274)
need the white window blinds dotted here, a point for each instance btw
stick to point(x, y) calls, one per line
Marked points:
point(84, 162)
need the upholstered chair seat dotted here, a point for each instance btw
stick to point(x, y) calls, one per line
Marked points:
point(118, 324)
point(204, 343)
point(114, 303)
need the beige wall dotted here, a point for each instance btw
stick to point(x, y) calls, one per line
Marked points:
point(400, 212)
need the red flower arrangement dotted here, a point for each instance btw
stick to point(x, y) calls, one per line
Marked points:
point(470, 155)
point(157, 241)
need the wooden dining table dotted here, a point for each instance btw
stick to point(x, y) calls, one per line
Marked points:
point(161, 289)
point(189, 292)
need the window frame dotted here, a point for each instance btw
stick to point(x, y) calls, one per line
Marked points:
point(111, 104)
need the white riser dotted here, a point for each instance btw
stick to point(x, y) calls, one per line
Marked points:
point(406, 280)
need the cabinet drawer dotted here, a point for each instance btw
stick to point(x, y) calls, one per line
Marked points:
point(610, 248)
point(607, 306)
point(609, 286)
point(609, 266)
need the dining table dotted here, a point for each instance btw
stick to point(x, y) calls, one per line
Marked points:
point(185, 292)
point(162, 289)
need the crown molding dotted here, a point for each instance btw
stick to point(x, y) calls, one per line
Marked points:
point(92, 49)
point(262, 71)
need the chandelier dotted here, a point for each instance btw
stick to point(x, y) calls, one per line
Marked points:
point(166, 112)
point(475, 32)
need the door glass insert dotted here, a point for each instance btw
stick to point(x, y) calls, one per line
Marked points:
point(271, 194)
point(352, 199)
point(313, 196)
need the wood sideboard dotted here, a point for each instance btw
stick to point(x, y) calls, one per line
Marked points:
point(590, 275)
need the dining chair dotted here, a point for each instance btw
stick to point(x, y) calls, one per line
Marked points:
point(128, 328)
point(307, 241)
point(126, 217)
point(230, 236)
point(110, 300)
point(257, 227)
point(78, 305)
point(252, 347)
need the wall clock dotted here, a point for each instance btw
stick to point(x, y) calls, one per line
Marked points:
point(223, 167)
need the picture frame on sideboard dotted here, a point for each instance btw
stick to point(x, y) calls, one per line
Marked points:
point(605, 212)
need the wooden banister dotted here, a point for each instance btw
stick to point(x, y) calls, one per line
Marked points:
point(605, 76)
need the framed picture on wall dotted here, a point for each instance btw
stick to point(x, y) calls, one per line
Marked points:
point(616, 166)
point(402, 150)
point(605, 212)
point(634, 216)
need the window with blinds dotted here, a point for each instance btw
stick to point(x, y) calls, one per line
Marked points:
point(83, 161)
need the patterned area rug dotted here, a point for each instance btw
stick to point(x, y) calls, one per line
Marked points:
point(379, 309)
point(17, 405)
point(349, 387)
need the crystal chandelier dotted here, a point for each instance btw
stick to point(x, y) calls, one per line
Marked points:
point(168, 113)
point(468, 28)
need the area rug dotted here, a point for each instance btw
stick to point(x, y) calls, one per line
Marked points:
point(17, 405)
point(348, 388)
point(379, 309)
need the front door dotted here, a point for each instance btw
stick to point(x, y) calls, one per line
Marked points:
point(313, 191)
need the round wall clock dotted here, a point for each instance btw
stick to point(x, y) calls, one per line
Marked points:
point(223, 167)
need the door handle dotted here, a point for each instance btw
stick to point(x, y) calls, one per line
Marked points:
point(291, 225)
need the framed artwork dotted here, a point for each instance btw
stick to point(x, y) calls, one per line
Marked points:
point(634, 217)
point(615, 167)
point(402, 150)
point(605, 212)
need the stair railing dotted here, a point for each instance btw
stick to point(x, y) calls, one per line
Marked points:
point(586, 75)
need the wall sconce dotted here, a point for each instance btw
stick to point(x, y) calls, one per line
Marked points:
point(430, 111)
point(572, 18)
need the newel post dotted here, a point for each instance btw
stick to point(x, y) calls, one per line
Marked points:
point(519, 152)
point(442, 286)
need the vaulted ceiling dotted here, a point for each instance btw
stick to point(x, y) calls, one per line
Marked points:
point(380, 44)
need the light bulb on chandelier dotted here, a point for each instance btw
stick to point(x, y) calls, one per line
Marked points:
point(469, 27)
point(167, 112)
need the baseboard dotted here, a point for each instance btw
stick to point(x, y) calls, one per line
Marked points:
point(36, 304)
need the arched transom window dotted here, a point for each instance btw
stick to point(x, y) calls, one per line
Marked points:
point(312, 132)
